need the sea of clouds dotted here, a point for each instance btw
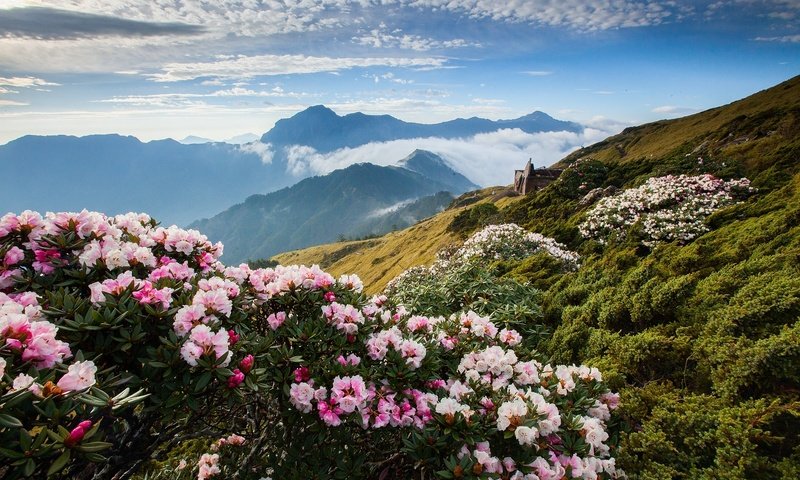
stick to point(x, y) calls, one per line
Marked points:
point(486, 159)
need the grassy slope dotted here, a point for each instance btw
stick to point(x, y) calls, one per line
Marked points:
point(379, 260)
point(703, 340)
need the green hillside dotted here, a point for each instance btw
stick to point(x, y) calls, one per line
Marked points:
point(703, 339)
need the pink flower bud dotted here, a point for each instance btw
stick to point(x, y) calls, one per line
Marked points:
point(301, 374)
point(77, 433)
point(330, 297)
point(232, 337)
point(236, 379)
point(351, 339)
point(247, 364)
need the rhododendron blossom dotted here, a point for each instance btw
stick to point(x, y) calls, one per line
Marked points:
point(669, 208)
point(79, 376)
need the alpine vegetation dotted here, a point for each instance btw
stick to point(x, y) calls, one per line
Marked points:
point(122, 341)
point(667, 208)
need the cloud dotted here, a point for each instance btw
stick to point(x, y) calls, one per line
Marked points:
point(194, 99)
point(780, 39)
point(11, 103)
point(25, 82)
point(674, 110)
point(263, 150)
point(537, 73)
point(487, 159)
point(43, 23)
point(488, 101)
point(267, 65)
point(581, 15)
point(381, 37)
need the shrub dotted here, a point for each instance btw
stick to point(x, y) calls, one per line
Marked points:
point(666, 208)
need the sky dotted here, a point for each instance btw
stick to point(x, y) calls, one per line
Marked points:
point(220, 68)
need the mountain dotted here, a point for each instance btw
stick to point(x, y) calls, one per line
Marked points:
point(701, 340)
point(360, 200)
point(193, 140)
point(174, 183)
point(243, 138)
point(321, 128)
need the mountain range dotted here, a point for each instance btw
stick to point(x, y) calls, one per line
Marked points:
point(321, 128)
point(357, 201)
point(179, 183)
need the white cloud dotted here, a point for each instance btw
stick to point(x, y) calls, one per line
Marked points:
point(781, 39)
point(195, 99)
point(488, 101)
point(25, 82)
point(583, 15)
point(265, 65)
point(486, 159)
point(263, 150)
point(674, 110)
point(381, 37)
point(537, 73)
point(11, 103)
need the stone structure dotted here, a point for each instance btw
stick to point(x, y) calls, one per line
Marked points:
point(531, 179)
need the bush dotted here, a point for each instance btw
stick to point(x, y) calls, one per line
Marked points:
point(295, 373)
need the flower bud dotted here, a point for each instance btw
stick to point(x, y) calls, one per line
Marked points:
point(301, 374)
point(330, 297)
point(247, 364)
point(77, 433)
point(232, 337)
point(236, 379)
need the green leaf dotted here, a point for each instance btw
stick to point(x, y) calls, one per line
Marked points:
point(59, 464)
point(9, 421)
point(204, 379)
point(93, 446)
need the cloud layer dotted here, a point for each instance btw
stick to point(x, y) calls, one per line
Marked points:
point(56, 24)
point(486, 159)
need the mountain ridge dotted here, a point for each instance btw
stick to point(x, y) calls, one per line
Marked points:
point(342, 203)
point(325, 131)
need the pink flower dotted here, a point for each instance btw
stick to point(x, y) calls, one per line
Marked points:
point(13, 256)
point(77, 433)
point(187, 317)
point(202, 341)
point(79, 376)
point(236, 379)
point(233, 338)
point(301, 374)
point(275, 320)
point(329, 413)
point(149, 295)
point(246, 364)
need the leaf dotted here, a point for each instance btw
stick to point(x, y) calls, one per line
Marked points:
point(60, 463)
point(204, 379)
point(29, 468)
point(93, 447)
point(9, 421)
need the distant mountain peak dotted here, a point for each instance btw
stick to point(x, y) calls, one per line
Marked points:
point(321, 128)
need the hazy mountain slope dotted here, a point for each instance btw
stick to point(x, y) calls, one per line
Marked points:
point(174, 183)
point(321, 128)
point(360, 200)
point(379, 260)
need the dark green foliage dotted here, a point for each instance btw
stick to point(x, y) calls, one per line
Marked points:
point(702, 340)
point(474, 218)
point(262, 263)
point(581, 177)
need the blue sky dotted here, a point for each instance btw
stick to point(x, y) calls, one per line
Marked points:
point(171, 68)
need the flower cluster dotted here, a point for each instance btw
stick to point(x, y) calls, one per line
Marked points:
point(511, 242)
point(494, 242)
point(669, 208)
